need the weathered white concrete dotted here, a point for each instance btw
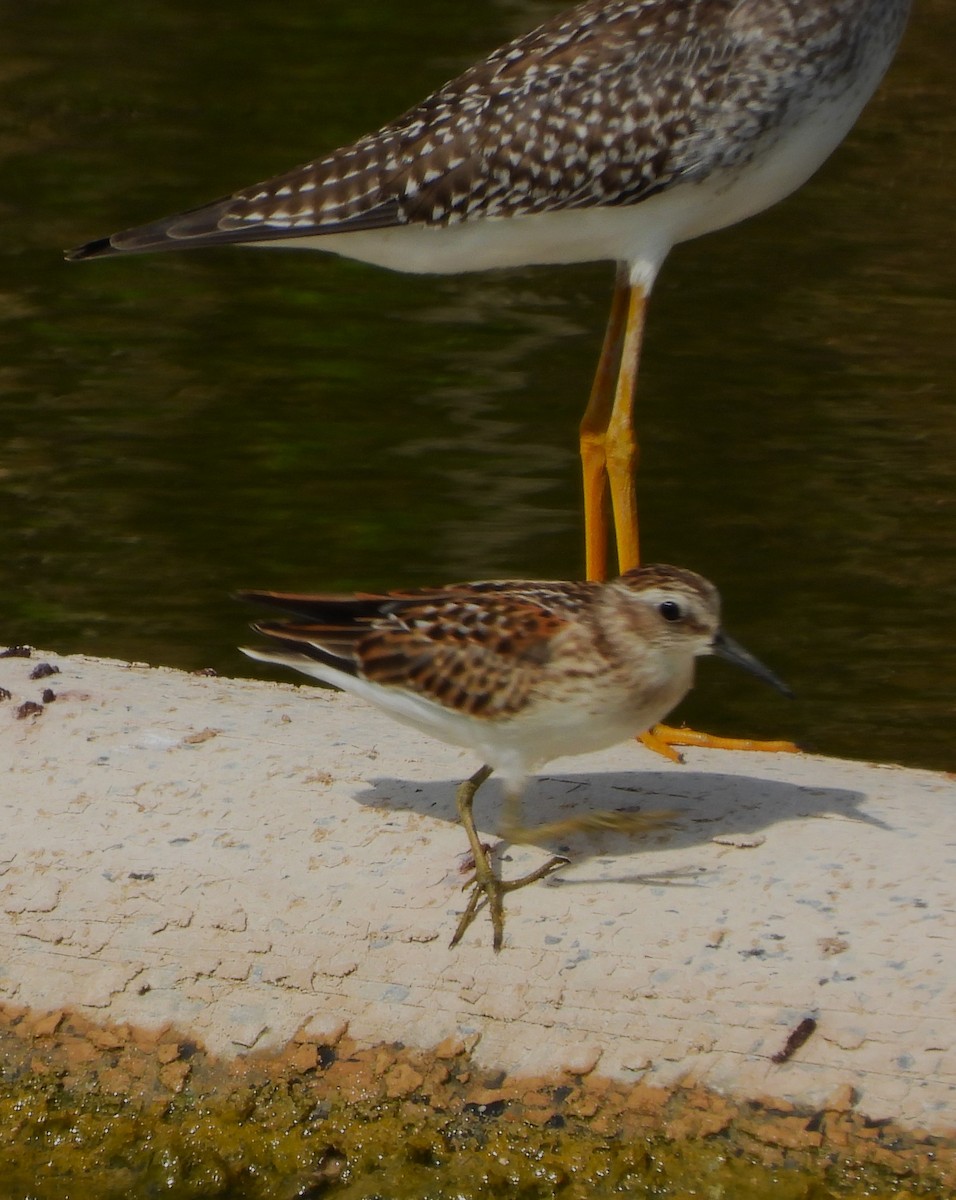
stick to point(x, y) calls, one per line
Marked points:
point(243, 858)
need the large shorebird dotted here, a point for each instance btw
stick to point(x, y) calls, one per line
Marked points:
point(613, 131)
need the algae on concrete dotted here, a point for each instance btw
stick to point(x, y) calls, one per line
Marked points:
point(100, 1113)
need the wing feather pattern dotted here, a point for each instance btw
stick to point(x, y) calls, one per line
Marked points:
point(478, 649)
point(603, 105)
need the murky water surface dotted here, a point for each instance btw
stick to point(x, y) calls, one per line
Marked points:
point(174, 427)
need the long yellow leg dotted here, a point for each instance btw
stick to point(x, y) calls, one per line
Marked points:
point(609, 453)
point(594, 428)
point(663, 738)
point(621, 444)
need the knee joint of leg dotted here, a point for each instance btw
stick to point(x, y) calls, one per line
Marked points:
point(622, 451)
point(593, 442)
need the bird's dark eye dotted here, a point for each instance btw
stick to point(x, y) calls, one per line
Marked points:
point(670, 610)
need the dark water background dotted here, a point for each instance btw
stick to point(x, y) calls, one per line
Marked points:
point(175, 427)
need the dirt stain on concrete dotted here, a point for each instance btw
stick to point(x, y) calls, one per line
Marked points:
point(111, 1111)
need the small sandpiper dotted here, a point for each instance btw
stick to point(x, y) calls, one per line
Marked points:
point(613, 131)
point(519, 671)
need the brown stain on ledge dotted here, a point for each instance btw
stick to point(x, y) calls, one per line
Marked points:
point(107, 1103)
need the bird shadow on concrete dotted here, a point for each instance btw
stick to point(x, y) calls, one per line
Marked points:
point(699, 806)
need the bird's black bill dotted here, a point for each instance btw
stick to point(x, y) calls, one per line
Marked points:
point(725, 647)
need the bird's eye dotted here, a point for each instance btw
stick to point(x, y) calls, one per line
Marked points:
point(670, 610)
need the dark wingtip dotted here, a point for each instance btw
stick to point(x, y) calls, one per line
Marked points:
point(266, 599)
point(97, 249)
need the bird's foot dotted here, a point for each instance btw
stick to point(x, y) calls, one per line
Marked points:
point(487, 888)
point(663, 738)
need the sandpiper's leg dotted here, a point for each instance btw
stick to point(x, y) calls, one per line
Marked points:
point(601, 821)
point(486, 886)
point(464, 799)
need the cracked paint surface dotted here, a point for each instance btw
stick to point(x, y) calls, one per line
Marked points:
point(242, 859)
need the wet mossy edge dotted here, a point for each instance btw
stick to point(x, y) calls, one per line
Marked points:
point(114, 1110)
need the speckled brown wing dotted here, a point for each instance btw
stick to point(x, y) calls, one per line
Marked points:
point(603, 105)
point(483, 661)
point(477, 649)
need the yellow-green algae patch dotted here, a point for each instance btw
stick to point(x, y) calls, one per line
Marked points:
point(120, 1112)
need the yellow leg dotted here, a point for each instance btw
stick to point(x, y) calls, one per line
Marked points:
point(514, 830)
point(609, 453)
point(602, 820)
point(594, 433)
point(663, 737)
point(486, 887)
point(621, 444)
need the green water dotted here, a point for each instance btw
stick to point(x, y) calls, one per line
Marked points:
point(175, 427)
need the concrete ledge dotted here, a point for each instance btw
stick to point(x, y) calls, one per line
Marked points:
point(257, 863)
